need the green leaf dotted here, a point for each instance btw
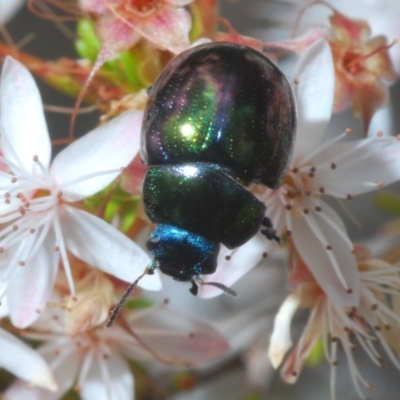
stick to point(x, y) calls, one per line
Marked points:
point(87, 45)
point(316, 355)
point(389, 202)
point(138, 304)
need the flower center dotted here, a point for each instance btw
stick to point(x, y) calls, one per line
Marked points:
point(142, 8)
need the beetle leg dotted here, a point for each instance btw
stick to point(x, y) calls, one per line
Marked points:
point(268, 230)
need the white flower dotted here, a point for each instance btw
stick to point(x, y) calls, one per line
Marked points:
point(95, 362)
point(38, 223)
point(381, 15)
point(373, 321)
point(318, 167)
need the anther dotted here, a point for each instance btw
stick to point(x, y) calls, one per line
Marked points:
point(377, 327)
point(56, 248)
point(349, 291)
point(334, 339)
point(21, 263)
point(349, 197)
point(306, 211)
point(265, 254)
point(296, 81)
point(398, 137)
point(333, 165)
point(13, 180)
point(294, 373)
point(22, 210)
point(32, 230)
point(7, 195)
point(318, 208)
point(348, 131)
point(311, 175)
point(295, 170)
point(387, 327)
point(38, 311)
point(74, 298)
point(15, 227)
point(379, 184)
point(374, 307)
point(1, 250)
point(335, 363)
point(59, 194)
point(288, 207)
point(26, 204)
point(35, 158)
point(379, 134)
point(329, 247)
point(321, 190)
point(288, 232)
point(7, 201)
point(227, 258)
point(313, 169)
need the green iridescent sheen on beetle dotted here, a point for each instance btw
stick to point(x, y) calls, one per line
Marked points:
point(219, 117)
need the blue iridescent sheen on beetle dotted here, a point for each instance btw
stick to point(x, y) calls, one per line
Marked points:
point(220, 116)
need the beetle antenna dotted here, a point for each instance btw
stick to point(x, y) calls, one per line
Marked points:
point(114, 313)
point(218, 285)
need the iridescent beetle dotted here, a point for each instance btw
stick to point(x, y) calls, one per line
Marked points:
point(220, 116)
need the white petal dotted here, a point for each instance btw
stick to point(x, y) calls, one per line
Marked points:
point(241, 261)
point(81, 169)
point(24, 362)
point(314, 92)
point(102, 246)
point(4, 307)
point(311, 235)
point(8, 8)
point(31, 288)
point(108, 378)
point(360, 166)
point(65, 363)
point(280, 341)
point(22, 122)
point(178, 338)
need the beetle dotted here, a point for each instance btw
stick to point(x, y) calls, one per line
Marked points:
point(219, 117)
